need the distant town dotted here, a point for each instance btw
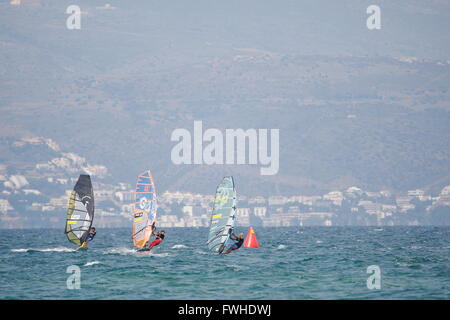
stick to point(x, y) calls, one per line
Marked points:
point(39, 198)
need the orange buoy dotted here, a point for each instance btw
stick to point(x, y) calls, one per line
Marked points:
point(250, 240)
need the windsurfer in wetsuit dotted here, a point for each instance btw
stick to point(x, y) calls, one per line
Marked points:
point(159, 237)
point(239, 241)
point(92, 233)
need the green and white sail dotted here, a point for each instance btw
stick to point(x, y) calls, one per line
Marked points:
point(222, 216)
point(80, 213)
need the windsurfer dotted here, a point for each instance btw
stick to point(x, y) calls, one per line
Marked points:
point(92, 233)
point(159, 237)
point(239, 241)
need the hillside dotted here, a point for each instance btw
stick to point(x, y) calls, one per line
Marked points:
point(353, 108)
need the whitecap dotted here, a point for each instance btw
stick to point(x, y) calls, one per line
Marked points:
point(179, 246)
point(91, 263)
point(61, 249)
point(236, 267)
point(120, 250)
point(201, 252)
point(281, 246)
point(150, 254)
point(58, 249)
point(402, 264)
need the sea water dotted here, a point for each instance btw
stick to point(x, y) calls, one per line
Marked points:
point(291, 263)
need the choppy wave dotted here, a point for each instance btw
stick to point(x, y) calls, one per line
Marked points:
point(202, 252)
point(121, 250)
point(290, 268)
point(134, 252)
point(58, 249)
point(151, 254)
point(236, 267)
point(164, 254)
point(179, 246)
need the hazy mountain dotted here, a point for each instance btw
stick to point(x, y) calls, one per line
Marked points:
point(354, 106)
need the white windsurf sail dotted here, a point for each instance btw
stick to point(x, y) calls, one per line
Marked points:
point(222, 216)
